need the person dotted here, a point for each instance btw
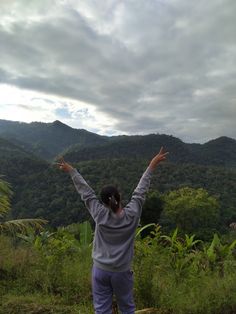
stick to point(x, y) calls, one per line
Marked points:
point(113, 244)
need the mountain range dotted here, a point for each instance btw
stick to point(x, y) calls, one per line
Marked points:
point(48, 140)
point(28, 151)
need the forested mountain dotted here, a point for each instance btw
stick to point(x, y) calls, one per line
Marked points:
point(47, 139)
point(132, 147)
point(9, 150)
point(219, 152)
point(41, 190)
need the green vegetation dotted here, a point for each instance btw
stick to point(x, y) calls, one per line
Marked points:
point(191, 210)
point(49, 272)
point(46, 140)
point(40, 190)
point(187, 266)
point(12, 226)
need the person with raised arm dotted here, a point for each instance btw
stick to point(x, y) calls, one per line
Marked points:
point(113, 244)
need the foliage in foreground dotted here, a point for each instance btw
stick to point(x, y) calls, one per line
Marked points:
point(15, 225)
point(50, 273)
point(182, 275)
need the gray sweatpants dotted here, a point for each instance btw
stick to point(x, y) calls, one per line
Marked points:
point(105, 284)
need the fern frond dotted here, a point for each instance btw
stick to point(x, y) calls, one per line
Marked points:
point(22, 225)
point(5, 195)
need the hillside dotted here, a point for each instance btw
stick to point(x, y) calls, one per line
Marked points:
point(9, 150)
point(15, 161)
point(219, 152)
point(132, 147)
point(47, 139)
point(41, 190)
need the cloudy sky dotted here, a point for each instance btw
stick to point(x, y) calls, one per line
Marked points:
point(121, 67)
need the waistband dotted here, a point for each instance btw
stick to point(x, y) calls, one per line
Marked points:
point(111, 268)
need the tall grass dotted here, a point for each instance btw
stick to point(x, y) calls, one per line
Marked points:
point(52, 275)
point(179, 279)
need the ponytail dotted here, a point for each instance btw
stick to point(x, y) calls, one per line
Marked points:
point(111, 197)
point(113, 204)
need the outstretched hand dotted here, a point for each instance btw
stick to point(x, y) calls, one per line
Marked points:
point(158, 158)
point(64, 165)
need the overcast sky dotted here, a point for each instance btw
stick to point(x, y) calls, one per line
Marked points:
point(121, 67)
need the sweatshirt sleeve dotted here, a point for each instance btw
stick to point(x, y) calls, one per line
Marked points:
point(87, 194)
point(139, 194)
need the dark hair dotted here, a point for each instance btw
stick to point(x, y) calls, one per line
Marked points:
point(110, 197)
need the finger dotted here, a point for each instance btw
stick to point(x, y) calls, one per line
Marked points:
point(163, 157)
point(62, 160)
point(161, 150)
point(59, 164)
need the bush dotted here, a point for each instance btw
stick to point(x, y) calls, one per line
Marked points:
point(191, 211)
point(174, 274)
point(177, 278)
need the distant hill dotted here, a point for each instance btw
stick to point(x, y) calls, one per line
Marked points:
point(145, 146)
point(15, 161)
point(47, 139)
point(9, 150)
point(218, 152)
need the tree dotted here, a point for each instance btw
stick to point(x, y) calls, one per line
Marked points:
point(152, 208)
point(17, 225)
point(191, 211)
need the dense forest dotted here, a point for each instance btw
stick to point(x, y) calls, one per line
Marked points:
point(41, 190)
point(47, 140)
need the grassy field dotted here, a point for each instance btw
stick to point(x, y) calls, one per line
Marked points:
point(50, 273)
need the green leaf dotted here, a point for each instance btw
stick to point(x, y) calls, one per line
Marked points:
point(86, 233)
point(140, 230)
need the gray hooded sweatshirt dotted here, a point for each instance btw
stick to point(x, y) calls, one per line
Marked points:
point(113, 243)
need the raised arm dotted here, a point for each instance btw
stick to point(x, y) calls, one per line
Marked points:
point(86, 192)
point(157, 159)
point(139, 194)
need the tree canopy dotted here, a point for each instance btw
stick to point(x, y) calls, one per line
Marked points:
point(191, 211)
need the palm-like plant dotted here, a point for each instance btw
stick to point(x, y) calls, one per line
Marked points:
point(17, 225)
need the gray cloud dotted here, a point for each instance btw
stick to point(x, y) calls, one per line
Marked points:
point(154, 66)
point(23, 106)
